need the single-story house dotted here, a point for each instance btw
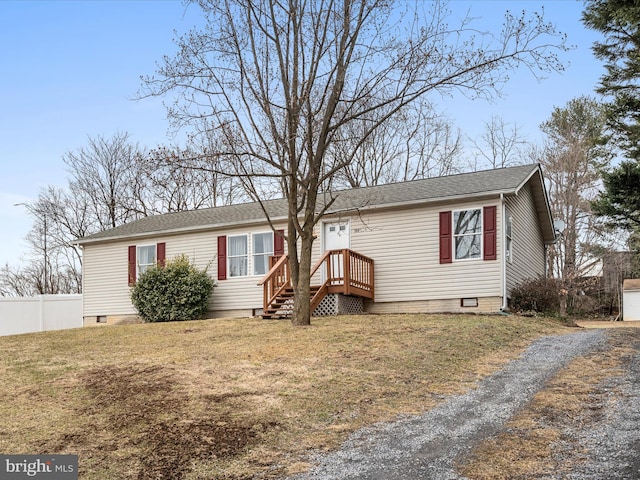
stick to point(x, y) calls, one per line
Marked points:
point(457, 243)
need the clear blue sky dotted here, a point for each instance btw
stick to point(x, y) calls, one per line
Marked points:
point(70, 68)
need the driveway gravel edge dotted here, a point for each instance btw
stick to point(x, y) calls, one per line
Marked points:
point(426, 446)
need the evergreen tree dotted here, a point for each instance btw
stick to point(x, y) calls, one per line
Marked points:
point(619, 22)
point(620, 200)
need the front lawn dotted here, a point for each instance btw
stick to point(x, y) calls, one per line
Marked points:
point(236, 399)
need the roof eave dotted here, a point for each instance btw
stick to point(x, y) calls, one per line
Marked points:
point(173, 231)
point(541, 200)
point(425, 201)
point(221, 226)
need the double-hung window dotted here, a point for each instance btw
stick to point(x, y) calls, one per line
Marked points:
point(248, 254)
point(237, 256)
point(467, 234)
point(143, 257)
point(262, 249)
point(146, 255)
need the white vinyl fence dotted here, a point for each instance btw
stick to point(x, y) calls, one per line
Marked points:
point(40, 313)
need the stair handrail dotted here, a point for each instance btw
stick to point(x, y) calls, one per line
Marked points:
point(275, 281)
point(322, 291)
point(320, 261)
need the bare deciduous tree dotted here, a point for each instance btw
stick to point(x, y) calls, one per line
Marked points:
point(414, 143)
point(17, 282)
point(572, 160)
point(53, 263)
point(501, 145)
point(112, 181)
point(102, 174)
point(432, 148)
point(100, 195)
point(184, 179)
point(282, 80)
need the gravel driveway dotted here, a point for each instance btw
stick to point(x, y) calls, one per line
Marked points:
point(427, 446)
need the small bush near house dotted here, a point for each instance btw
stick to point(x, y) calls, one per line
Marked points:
point(178, 291)
point(540, 295)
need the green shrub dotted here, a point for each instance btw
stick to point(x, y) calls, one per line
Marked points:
point(540, 295)
point(178, 291)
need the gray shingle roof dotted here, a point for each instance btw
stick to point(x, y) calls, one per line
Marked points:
point(505, 181)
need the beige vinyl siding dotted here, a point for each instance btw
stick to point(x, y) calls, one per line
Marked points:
point(403, 242)
point(405, 247)
point(528, 245)
point(105, 280)
point(238, 293)
point(316, 252)
point(105, 271)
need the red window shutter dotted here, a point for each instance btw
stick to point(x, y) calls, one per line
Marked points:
point(222, 257)
point(278, 243)
point(161, 255)
point(132, 265)
point(490, 232)
point(446, 238)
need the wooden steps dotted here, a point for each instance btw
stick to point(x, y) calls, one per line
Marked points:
point(282, 305)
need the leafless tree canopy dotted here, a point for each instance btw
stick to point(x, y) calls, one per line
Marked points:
point(414, 143)
point(102, 174)
point(572, 161)
point(111, 181)
point(501, 145)
point(284, 81)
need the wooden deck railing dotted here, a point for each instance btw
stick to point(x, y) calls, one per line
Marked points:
point(344, 271)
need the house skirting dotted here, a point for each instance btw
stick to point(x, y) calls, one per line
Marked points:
point(98, 320)
point(452, 305)
point(95, 320)
point(338, 304)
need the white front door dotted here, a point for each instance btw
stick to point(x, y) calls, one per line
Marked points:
point(336, 237)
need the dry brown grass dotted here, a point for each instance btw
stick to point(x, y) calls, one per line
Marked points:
point(236, 399)
point(538, 442)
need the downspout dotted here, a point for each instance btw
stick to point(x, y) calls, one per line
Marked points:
point(504, 306)
point(546, 258)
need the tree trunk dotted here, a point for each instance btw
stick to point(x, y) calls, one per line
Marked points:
point(302, 285)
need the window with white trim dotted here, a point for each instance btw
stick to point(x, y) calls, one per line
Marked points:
point(237, 256)
point(146, 258)
point(467, 234)
point(262, 247)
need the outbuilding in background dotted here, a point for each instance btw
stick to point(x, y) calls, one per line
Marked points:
point(631, 299)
